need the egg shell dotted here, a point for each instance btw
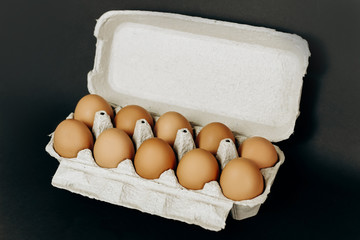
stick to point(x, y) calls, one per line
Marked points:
point(259, 150)
point(122, 186)
point(112, 147)
point(211, 135)
point(167, 126)
point(70, 137)
point(87, 107)
point(196, 168)
point(127, 116)
point(153, 157)
point(241, 179)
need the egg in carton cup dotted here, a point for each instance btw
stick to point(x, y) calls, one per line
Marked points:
point(246, 77)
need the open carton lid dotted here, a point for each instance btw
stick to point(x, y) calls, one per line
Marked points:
point(249, 78)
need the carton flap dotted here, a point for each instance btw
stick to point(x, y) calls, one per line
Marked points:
point(247, 77)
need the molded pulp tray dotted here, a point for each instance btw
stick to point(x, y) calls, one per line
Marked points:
point(246, 77)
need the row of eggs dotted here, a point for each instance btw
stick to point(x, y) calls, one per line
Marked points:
point(240, 179)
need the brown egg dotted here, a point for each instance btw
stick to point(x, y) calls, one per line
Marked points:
point(126, 118)
point(196, 168)
point(153, 157)
point(211, 135)
point(70, 137)
point(241, 179)
point(87, 107)
point(168, 124)
point(260, 150)
point(112, 147)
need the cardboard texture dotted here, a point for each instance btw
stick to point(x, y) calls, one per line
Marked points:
point(246, 77)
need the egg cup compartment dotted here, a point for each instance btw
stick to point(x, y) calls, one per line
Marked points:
point(164, 197)
point(123, 186)
point(247, 77)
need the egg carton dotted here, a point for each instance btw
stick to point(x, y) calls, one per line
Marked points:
point(164, 197)
point(247, 77)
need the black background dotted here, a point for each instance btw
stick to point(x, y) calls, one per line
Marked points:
point(46, 51)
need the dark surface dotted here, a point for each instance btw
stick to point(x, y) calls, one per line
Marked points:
point(47, 49)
